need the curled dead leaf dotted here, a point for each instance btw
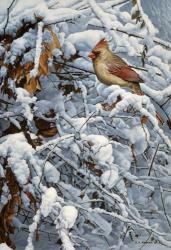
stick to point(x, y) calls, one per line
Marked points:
point(108, 107)
point(45, 128)
point(32, 85)
point(68, 88)
point(144, 119)
point(48, 132)
point(21, 73)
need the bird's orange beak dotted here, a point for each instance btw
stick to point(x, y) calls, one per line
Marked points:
point(91, 55)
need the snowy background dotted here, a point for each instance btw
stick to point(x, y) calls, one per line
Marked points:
point(82, 165)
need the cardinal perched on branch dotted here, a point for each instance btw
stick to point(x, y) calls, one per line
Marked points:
point(110, 69)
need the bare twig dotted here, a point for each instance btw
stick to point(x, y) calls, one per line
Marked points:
point(162, 200)
point(151, 165)
point(164, 103)
point(112, 5)
point(158, 41)
point(119, 3)
point(8, 12)
point(91, 72)
point(5, 102)
point(74, 67)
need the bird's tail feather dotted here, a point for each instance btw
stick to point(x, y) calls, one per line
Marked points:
point(136, 89)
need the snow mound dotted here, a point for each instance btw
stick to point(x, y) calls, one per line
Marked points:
point(69, 215)
point(48, 200)
point(109, 178)
point(100, 146)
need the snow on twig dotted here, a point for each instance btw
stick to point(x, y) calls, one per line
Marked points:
point(156, 40)
point(8, 13)
point(138, 105)
point(34, 71)
point(91, 147)
point(150, 27)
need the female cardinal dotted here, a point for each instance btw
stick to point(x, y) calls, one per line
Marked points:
point(110, 69)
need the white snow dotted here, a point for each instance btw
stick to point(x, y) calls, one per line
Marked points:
point(85, 40)
point(66, 242)
point(51, 173)
point(109, 178)
point(25, 99)
point(3, 246)
point(18, 151)
point(68, 216)
point(48, 200)
point(150, 27)
point(34, 71)
point(68, 49)
point(101, 155)
point(140, 142)
point(1, 171)
point(100, 146)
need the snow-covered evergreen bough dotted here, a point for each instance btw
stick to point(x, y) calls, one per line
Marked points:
point(82, 165)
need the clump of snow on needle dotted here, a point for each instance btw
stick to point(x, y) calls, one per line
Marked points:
point(68, 216)
point(48, 200)
point(34, 71)
point(110, 177)
point(101, 147)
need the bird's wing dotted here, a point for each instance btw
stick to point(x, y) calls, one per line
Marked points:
point(125, 73)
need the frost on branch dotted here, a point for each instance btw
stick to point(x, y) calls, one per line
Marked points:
point(82, 165)
point(34, 71)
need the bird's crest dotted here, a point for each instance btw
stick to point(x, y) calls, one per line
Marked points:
point(102, 43)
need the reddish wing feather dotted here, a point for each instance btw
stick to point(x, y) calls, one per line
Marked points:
point(125, 73)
